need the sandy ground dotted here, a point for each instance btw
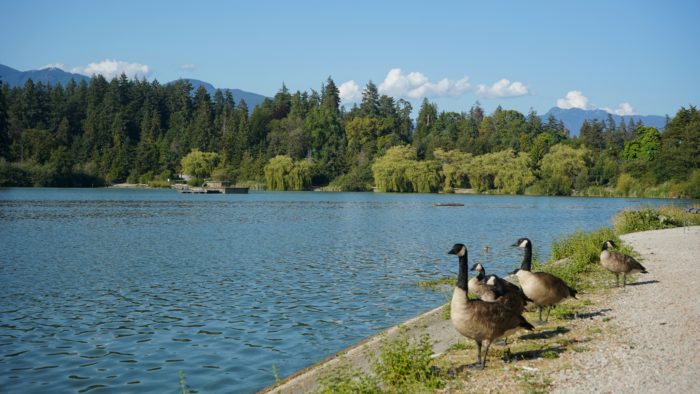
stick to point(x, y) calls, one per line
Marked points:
point(655, 348)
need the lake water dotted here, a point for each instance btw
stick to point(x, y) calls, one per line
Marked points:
point(107, 290)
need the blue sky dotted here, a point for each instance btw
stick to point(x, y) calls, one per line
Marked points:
point(628, 57)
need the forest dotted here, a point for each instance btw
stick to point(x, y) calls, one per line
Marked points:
point(103, 132)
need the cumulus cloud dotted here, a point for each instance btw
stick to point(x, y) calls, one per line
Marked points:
point(502, 89)
point(624, 109)
point(188, 67)
point(349, 92)
point(573, 99)
point(576, 99)
point(415, 85)
point(114, 68)
point(54, 65)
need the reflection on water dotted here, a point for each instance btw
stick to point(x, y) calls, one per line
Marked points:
point(108, 290)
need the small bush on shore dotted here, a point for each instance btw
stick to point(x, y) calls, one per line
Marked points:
point(644, 219)
point(404, 366)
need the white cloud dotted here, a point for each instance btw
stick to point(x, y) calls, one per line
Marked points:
point(415, 85)
point(624, 109)
point(188, 67)
point(53, 65)
point(114, 68)
point(573, 99)
point(502, 89)
point(349, 92)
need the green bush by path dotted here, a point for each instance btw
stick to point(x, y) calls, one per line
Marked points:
point(643, 219)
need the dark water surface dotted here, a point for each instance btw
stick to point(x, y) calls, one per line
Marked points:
point(107, 290)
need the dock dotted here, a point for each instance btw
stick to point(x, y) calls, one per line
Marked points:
point(211, 187)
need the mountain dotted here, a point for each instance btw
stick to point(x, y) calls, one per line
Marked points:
point(252, 99)
point(573, 118)
point(53, 76)
point(50, 75)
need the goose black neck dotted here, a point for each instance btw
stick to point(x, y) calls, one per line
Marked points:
point(480, 275)
point(605, 247)
point(462, 277)
point(527, 259)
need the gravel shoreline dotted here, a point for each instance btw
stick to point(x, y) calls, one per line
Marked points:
point(656, 343)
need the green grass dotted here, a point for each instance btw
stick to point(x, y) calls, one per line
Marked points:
point(403, 366)
point(643, 219)
point(438, 284)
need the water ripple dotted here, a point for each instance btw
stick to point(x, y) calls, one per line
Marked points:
point(121, 290)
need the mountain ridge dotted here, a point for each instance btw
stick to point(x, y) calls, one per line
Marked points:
point(53, 76)
point(573, 118)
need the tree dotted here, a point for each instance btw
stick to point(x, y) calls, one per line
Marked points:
point(330, 96)
point(283, 173)
point(199, 165)
point(369, 106)
point(645, 146)
point(455, 168)
point(679, 154)
point(564, 168)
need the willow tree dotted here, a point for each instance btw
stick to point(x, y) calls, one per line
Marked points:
point(390, 170)
point(563, 169)
point(454, 168)
point(424, 176)
point(514, 174)
point(199, 164)
point(505, 170)
point(283, 173)
point(400, 171)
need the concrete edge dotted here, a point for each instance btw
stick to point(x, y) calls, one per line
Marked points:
point(360, 355)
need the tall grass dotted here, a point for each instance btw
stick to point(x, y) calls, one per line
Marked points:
point(582, 253)
point(643, 219)
point(404, 366)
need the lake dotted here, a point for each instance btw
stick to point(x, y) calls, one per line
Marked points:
point(109, 290)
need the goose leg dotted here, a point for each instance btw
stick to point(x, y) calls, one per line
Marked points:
point(478, 352)
point(624, 280)
point(486, 350)
point(549, 310)
point(539, 309)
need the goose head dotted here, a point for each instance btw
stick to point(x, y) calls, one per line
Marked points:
point(477, 267)
point(523, 243)
point(458, 249)
point(609, 244)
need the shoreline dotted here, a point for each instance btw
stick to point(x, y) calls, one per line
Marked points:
point(611, 311)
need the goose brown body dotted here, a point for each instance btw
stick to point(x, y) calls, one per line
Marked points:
point(505, 293)
point(479, 320)
point(544, 289)
point(619, 263)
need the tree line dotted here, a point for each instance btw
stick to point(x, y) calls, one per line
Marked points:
point(102, 132)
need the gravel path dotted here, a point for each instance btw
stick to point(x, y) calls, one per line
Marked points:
point(655, 347)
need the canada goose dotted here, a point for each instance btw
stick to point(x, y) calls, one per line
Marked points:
point(479, 320)
point(619, 263)
point(542, 288)
point(477, 286)
point(506, 293)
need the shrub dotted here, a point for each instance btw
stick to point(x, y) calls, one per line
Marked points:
point(644, 219)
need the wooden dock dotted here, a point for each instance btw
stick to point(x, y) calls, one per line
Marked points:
point(211, 188)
